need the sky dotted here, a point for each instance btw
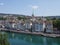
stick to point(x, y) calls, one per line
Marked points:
point(27, 7)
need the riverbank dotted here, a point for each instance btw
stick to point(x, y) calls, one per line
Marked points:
point(33, 33)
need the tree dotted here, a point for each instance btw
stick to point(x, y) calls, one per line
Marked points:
point(54, 18)
point(48, 18)
point(1, 18)
point(19, 18)
point(3, 39)
point(56, 24)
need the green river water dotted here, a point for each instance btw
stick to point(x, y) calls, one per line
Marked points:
point(25, 39)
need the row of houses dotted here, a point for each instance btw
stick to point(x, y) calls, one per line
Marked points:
point(33, 26)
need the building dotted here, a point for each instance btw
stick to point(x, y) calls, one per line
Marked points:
point(15, 25)
point(37, 26)
point(20, 26)
point(27, 24)
point(49, 27)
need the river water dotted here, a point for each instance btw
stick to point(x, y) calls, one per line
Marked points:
point(25, 39)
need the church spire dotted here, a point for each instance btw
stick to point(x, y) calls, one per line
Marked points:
point(33, 13)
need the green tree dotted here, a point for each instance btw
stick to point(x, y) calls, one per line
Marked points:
point(54, 18)
point(1, 18)
point(48, 18)
point(4, 39)
point(56, 24)
point(19, 18)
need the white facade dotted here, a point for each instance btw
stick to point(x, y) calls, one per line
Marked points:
point(8, 25)
point(49, 28)
point(44, 25)
point(20, 26)
point(38, 27)
point(27, 26)
point(15, 26)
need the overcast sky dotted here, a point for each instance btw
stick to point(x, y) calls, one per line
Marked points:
point(26, 7)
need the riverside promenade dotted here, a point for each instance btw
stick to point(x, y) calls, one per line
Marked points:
point(33, 33)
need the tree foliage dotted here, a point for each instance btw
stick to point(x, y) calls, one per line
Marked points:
point(19, 18)
point(56, 24)
point(3, 39)
point(1, 18)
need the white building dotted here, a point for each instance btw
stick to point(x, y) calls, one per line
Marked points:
point(20, 26)
point(37, 26)
point(27, 24)
point(49, 27)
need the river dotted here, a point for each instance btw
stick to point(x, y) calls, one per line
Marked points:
point(25, 39)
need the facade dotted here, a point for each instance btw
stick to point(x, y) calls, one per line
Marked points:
point(2, 23)
point(30, 24)
point(15, 26)
point(9, 25)
point(37, 26)
point(20, 26)
point(27, 24)
point(49, 27)
point(40, 26)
